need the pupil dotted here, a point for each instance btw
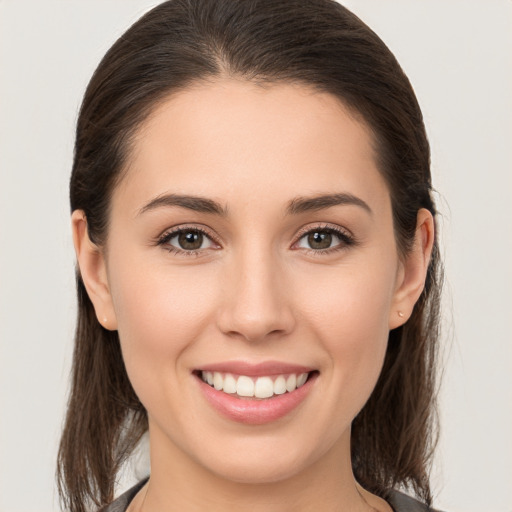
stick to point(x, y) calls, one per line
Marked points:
point(320, 240)
point(190, 240)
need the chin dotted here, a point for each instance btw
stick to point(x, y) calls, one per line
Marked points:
point(257, 473)
point(262, 462)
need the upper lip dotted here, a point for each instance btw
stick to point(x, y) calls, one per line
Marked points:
point(255, 369)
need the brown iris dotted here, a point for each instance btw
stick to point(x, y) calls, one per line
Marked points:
point(190, 240)
point(320, 240)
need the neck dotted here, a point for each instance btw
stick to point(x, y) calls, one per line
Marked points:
point(327, 484)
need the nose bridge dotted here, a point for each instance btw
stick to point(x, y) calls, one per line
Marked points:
point(256, 303)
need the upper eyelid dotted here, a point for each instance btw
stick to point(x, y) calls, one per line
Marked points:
point(171, 232)
point(323, 227)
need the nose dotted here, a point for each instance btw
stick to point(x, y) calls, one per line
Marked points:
point(256, 303)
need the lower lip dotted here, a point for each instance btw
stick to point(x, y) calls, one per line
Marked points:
point(256, 411)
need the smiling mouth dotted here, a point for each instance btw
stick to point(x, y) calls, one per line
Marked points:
point(261, 387)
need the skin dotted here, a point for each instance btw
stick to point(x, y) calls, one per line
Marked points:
point(257, 292)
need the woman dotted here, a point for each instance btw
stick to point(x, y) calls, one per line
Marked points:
point(258, 269)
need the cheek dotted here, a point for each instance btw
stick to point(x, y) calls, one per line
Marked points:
point(160, 312)
point(350, 306)
point(349, 316)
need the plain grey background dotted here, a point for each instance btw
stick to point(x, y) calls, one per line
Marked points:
point(458, 55)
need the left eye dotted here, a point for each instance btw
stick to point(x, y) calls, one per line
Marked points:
point(188, 240)
point(319, 239)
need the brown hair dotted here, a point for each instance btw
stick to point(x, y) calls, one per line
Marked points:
point(318, 43)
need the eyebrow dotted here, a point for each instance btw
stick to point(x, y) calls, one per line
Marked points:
point(195, 203)
point(296, 206)
point(307, 204)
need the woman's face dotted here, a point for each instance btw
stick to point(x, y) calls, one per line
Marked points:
point(251, 241)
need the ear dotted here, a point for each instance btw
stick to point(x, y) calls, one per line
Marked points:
point(413, 271)
point(91, 261)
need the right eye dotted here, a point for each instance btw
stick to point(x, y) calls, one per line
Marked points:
point(187, 241)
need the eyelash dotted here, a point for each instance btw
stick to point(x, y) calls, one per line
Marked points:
point(346, 239)
point(169, 235)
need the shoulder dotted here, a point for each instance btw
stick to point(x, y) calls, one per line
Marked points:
point(121, 504)
point(400, 502)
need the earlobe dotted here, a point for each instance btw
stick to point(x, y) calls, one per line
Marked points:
point(413, 270)
point(93, 270)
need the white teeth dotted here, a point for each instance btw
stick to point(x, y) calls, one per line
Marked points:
point(261, 387)
point(264, 387)
point(291, 382)
point(229, 384)
point(245, 386)
point(218, 381)
point(301, 379)
point(280, 385)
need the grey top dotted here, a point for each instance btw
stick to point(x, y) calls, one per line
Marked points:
point(121, 503)
point(399, 502)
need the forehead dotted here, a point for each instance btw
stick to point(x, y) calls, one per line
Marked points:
point(233, 137)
